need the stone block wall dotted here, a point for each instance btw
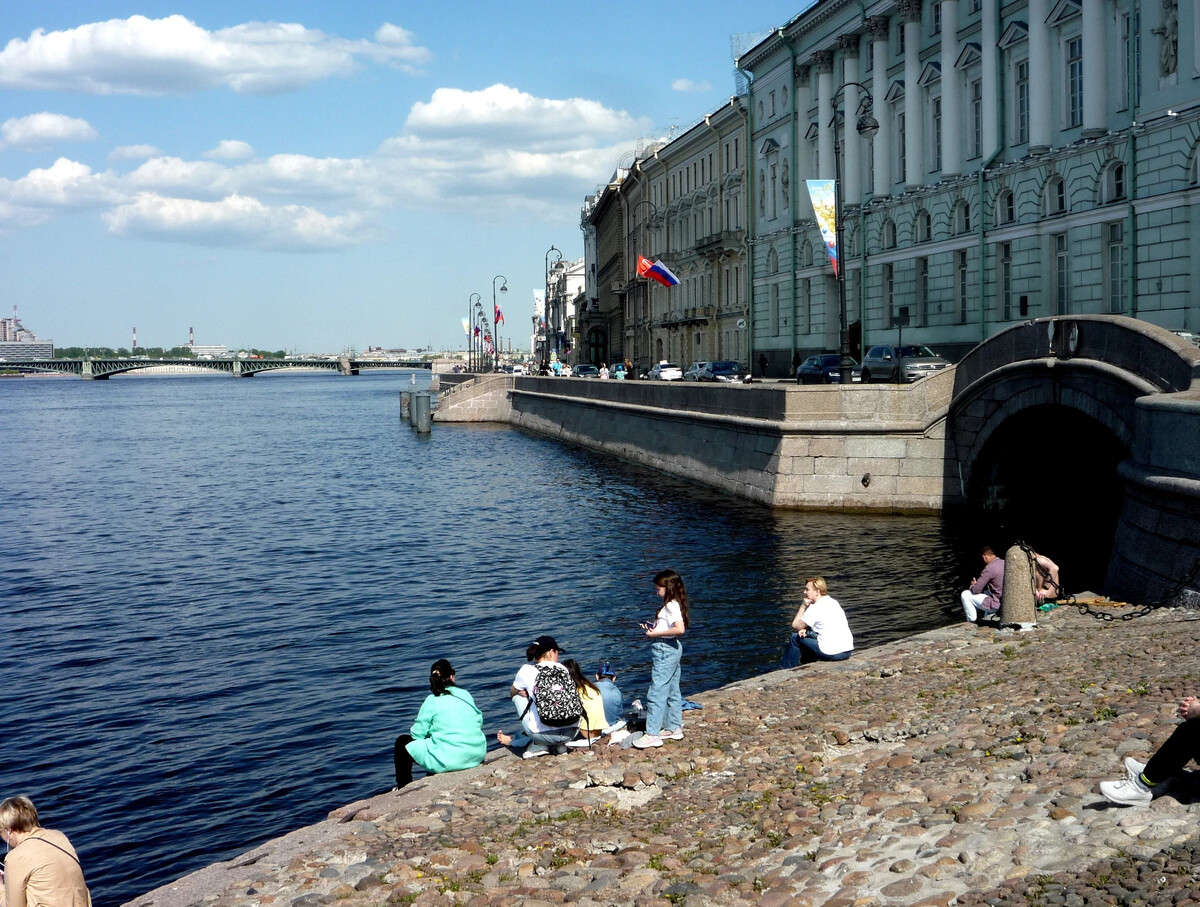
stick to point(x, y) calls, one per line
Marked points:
point(484, 399)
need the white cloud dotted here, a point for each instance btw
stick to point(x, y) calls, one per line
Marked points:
point(40, 130)
point(236, 221)
point(133, 152)
point(174, 55)
point(231, 150)
point(65, 184)
point(689, 86)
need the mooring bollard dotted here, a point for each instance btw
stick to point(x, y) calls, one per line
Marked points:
point(422, 413)
point(1017, 604)
point(405, 405)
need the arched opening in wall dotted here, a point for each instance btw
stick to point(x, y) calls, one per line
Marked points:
point(597, 346)
point(1048, 477)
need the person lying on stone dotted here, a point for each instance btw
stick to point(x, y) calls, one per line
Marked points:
point(1137, 788)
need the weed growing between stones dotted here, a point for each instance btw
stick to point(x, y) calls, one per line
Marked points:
point(1105, 713)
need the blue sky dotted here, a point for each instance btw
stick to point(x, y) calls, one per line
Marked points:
point(317, 176)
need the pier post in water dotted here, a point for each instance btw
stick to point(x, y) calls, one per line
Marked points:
point(422, 413)
point(1017, 604)
point(405, 405)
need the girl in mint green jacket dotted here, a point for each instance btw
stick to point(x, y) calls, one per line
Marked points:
point(448, 733)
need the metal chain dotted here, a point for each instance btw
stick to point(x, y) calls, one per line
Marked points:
point(1164, 601)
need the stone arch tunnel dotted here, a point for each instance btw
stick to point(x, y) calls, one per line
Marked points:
point(1081, 436)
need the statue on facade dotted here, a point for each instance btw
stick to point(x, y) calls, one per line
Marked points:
point(1168, 55)
point(785, 180)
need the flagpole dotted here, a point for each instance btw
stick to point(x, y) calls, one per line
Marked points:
point(471, 330)
point(496, 316)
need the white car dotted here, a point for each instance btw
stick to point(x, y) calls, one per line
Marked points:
point(693, 373)
point(666, 371)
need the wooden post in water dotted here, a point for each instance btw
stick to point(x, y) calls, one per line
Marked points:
point(422, 413)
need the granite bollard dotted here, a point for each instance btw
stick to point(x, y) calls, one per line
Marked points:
point(1017, 604)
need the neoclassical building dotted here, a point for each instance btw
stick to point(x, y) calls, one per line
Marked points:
point(1032, 158)
point(684, 203)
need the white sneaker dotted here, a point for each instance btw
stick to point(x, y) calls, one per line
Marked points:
point(1127, 792)
point(582, 741)
point(534, 750)
point(617, 737)
point(646, 741)
point(1133, 768)
point(615, 726)
point(676, 734)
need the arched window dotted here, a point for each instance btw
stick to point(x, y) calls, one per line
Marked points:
point(1112, 186)
point(924, 227)
point(772, 262)
point(1006, 211)
point(1055, 198)
point(888, 238)
point(962, 216)
point(807, 255)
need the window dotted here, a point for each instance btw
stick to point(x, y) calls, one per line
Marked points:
point(888, 240)
point(807, 256)
point(1005, 207)
point(1074, 57)
point(785, 98)
point(900, 146)
point(1004, 269)
point(1114, 235)
point(1062, 274)
point(935, 110)
point(806, 300)
point(976, 5)
point(1056, 195)
point(936, 19)
point(922, 316)
point(889, 288)
point(900, 38)
point(1021, 94)
point(962, 217)
point(960, 270)
point(1113, 187)
point(775, 310)
point(924, 229)
point(977, 118)
point(772, 96)
point(737, 156)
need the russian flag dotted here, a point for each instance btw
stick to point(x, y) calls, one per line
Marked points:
point(499, 319)
point(656, 270)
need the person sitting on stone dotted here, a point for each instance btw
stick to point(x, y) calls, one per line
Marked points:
point(822, 632)
point(448, 733)
point(984, 595)
point(610, 693)
point(1045, 576)
point(1138, 786)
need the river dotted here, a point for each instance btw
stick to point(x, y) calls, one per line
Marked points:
point(221, 597)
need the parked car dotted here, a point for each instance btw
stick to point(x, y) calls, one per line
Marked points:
point(666, 371)
point(693, 372)
point(889, 363)
point(723, 370)
point(583, 370)
point(825, 369)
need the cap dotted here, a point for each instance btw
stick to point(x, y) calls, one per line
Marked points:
point(606, 670)
point(546, 643)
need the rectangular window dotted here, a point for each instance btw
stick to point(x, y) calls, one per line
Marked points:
point(937, 18)
point(977, 118)
point(1004, 264)
point(1021, 93)
point(922, 313)
point(1116, 267)
point(806, 302)
point(737, 156)
point(900, 146)
point(960, 268)
point(889, 291)
point(1074, 54)
point(935, 110)
point(900, 38)
point(1062, 274)
point(976, 5)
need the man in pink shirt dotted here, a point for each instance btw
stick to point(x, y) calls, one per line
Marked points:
point(984, 594)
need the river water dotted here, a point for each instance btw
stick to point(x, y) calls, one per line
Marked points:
point(221, 597)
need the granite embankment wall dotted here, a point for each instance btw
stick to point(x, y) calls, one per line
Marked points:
point(872, 448)
point(959, 766)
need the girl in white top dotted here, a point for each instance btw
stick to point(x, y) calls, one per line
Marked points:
point(665, 703)
point(822, 633)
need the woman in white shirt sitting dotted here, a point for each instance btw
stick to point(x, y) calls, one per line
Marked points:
point(822, 633)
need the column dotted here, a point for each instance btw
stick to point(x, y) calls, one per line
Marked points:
point(883, 139)
point(952, 125)
point(1041, 79)
point(991, 78)
point(824, 63)
point(1095, 70)
point(804, 154)
point(914, 114)
point(852, 142)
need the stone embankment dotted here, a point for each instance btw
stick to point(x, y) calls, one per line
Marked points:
point(956, 767)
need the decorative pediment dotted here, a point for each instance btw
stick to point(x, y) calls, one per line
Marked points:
point(813, 132)
point(770, 146)
point(971, 55)
point(930, 74)
point(1013, 35)
point(1063, 11)
point(896, 92)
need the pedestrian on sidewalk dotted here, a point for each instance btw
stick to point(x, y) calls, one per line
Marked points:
point(665, 709)
point(1141, 779)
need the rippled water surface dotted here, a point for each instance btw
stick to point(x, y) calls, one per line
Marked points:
point(221, 597)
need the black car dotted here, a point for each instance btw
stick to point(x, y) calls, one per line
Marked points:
point(825, 369)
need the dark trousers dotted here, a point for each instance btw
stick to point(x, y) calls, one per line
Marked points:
point(1181, 747)
point(404, 762)
point(802, 650)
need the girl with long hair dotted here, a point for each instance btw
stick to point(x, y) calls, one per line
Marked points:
point(448, 733)
point(665, 702)
point(593, 723)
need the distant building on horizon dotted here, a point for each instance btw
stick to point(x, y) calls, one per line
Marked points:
point(17, 342)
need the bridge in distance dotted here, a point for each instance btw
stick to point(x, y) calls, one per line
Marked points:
point(99, 369)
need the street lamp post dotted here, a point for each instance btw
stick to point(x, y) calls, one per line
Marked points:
point(867, 126)
point(496, 312)
point(546, 302)
point(645, 282)
point(479, 324)
point(471, 330)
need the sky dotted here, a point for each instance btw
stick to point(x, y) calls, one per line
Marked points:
point(317, 176)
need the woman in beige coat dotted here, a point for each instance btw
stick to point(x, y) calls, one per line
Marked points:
point(41, 869)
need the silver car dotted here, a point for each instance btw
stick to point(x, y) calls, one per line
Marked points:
point(665, 371)
point(693, 373)
point(892, 364)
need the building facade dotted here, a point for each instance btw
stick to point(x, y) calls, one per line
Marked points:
point(1032, 158)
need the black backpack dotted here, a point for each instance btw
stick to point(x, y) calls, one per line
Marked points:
point(558, 703)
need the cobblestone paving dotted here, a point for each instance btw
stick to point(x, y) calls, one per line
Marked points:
point(956, 767)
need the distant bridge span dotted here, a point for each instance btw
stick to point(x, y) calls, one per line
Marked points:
point(100, 369)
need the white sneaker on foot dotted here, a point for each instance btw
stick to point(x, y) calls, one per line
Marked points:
point(646, 741)
point(1127, 792)
point(676, 734)
point(534, 750)
point(582, 741)
point(618, 736)
point(1133, 768)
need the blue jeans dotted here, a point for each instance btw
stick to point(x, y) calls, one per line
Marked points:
point(664, 706)
point(802, 650)
point(552, 737)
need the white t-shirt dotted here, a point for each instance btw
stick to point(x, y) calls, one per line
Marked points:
point(525, 679)
point(669, 614)
point(827, 622)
